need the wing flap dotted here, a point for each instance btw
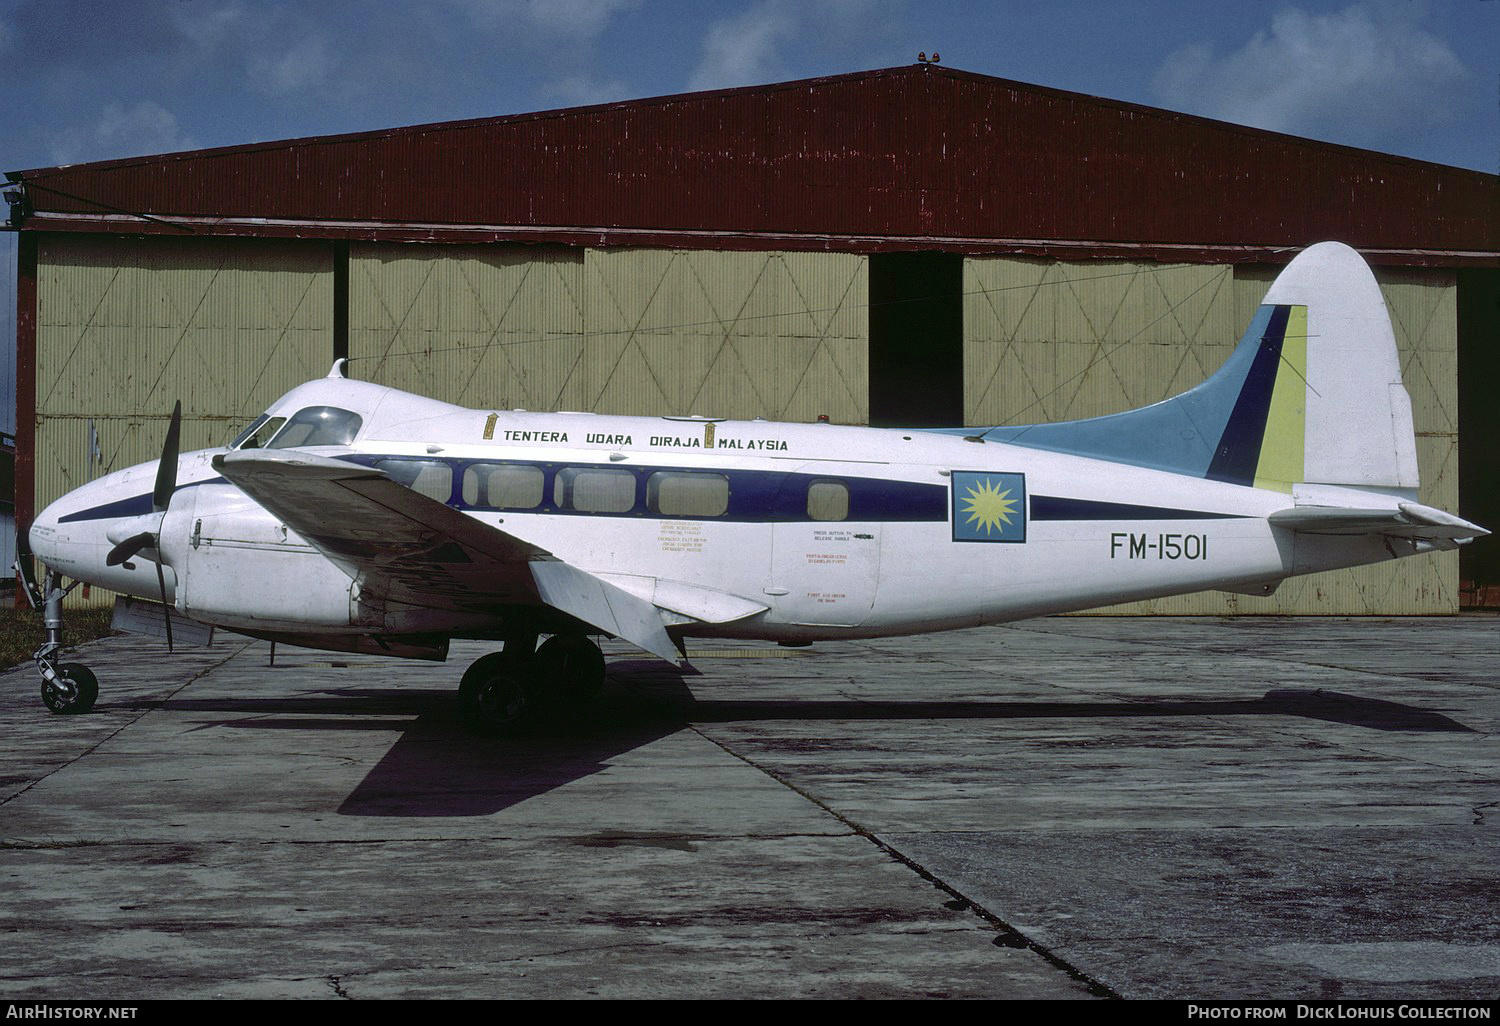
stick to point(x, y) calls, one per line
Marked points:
point(582, 595)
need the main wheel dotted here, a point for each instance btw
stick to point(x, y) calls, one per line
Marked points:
point(73, 691)
point(573, 665)
point(492, 698)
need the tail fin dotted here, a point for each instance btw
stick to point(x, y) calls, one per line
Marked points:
point(1312, 393)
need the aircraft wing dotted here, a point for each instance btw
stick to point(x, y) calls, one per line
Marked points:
point(1407, 520)
point(402, 545)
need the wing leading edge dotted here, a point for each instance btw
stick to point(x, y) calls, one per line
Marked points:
point(401, 545)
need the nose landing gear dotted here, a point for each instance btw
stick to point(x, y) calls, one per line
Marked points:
point(68, 688)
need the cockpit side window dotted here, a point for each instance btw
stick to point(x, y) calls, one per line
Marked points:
point(258, 433)
point(317, 425)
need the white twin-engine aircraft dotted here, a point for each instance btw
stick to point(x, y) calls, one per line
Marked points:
point(355, 517)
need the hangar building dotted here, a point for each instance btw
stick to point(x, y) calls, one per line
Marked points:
point(917, 245)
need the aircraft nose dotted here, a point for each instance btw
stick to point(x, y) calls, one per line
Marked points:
point(53, 542)
point(77, 534)
point(69, 535)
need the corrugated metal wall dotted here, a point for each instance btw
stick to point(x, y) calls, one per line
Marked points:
point(127, 326)
point(1055, 341)
point(1049, 341)
point(475, 325)
point(634, 331)
point(8, 333)
point(895, 155)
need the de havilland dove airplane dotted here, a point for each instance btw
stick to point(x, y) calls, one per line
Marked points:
point(356, 517)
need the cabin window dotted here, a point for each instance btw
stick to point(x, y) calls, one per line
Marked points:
point(674, 494)
point(258, 433)
point(504, 486)
point(317, 425)
point(828, 500)
point(595, 489)
point(432, 478)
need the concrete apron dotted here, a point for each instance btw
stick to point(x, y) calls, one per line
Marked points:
point(1061, 808)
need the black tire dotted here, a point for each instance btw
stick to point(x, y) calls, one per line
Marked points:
point(492, 697)
point(74, 692)
point(572, 666)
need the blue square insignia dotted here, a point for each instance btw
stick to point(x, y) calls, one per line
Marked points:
point(989, 507)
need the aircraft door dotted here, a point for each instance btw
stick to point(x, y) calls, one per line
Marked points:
point(824, 570)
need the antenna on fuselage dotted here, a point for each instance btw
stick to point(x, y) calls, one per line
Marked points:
point(337, 370)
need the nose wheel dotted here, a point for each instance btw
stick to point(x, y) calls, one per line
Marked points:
point(73, 688)
point(67, 688)
point(506, 692)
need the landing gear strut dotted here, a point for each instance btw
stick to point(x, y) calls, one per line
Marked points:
point(504, 692)
point(68, 688)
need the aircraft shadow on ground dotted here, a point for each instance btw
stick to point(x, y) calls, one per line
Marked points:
point(437, 769)
point(1316, 704)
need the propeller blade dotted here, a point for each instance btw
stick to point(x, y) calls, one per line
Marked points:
point(26, 569)
point(166, 612)
point(166, 470)
point(129, 547)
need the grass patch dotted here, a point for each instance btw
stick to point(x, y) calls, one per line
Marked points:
point(22, 633)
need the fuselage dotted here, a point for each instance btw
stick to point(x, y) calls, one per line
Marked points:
point(733, 528)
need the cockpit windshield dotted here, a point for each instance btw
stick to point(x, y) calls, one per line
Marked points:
point(258, 433)
point(317, 425)
point(314, 425)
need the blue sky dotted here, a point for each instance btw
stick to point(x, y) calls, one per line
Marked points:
point(97, 79)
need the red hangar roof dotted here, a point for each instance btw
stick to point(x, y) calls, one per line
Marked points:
point(918, 157)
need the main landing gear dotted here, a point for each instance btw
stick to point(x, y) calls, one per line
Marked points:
point(506, 691)
point(66, 687)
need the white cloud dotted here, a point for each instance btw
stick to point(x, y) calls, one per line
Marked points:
point(574, 17)
point(306, 65)
point(742, 50)
point(583, 90)
point(121, 131)
point(207, 26)
point(1364, 75)
point(586, 18)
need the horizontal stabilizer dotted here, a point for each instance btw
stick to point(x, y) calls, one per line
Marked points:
point(1407, 520)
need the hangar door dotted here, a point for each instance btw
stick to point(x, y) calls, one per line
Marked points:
point(632, 331)
point(127, 326)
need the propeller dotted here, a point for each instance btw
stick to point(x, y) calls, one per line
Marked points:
point(161, 498)
point(147, 529)
point(25, 567)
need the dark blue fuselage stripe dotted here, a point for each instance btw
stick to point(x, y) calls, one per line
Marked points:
point(1238, 451)
point(755, 496)
point(760, 497)
point(1047, 507)
point(135, 506)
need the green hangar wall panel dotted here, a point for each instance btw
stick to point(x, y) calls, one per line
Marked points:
point(498, 325)
point(127, 326)
point(631, 331)
point(1050, 341)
